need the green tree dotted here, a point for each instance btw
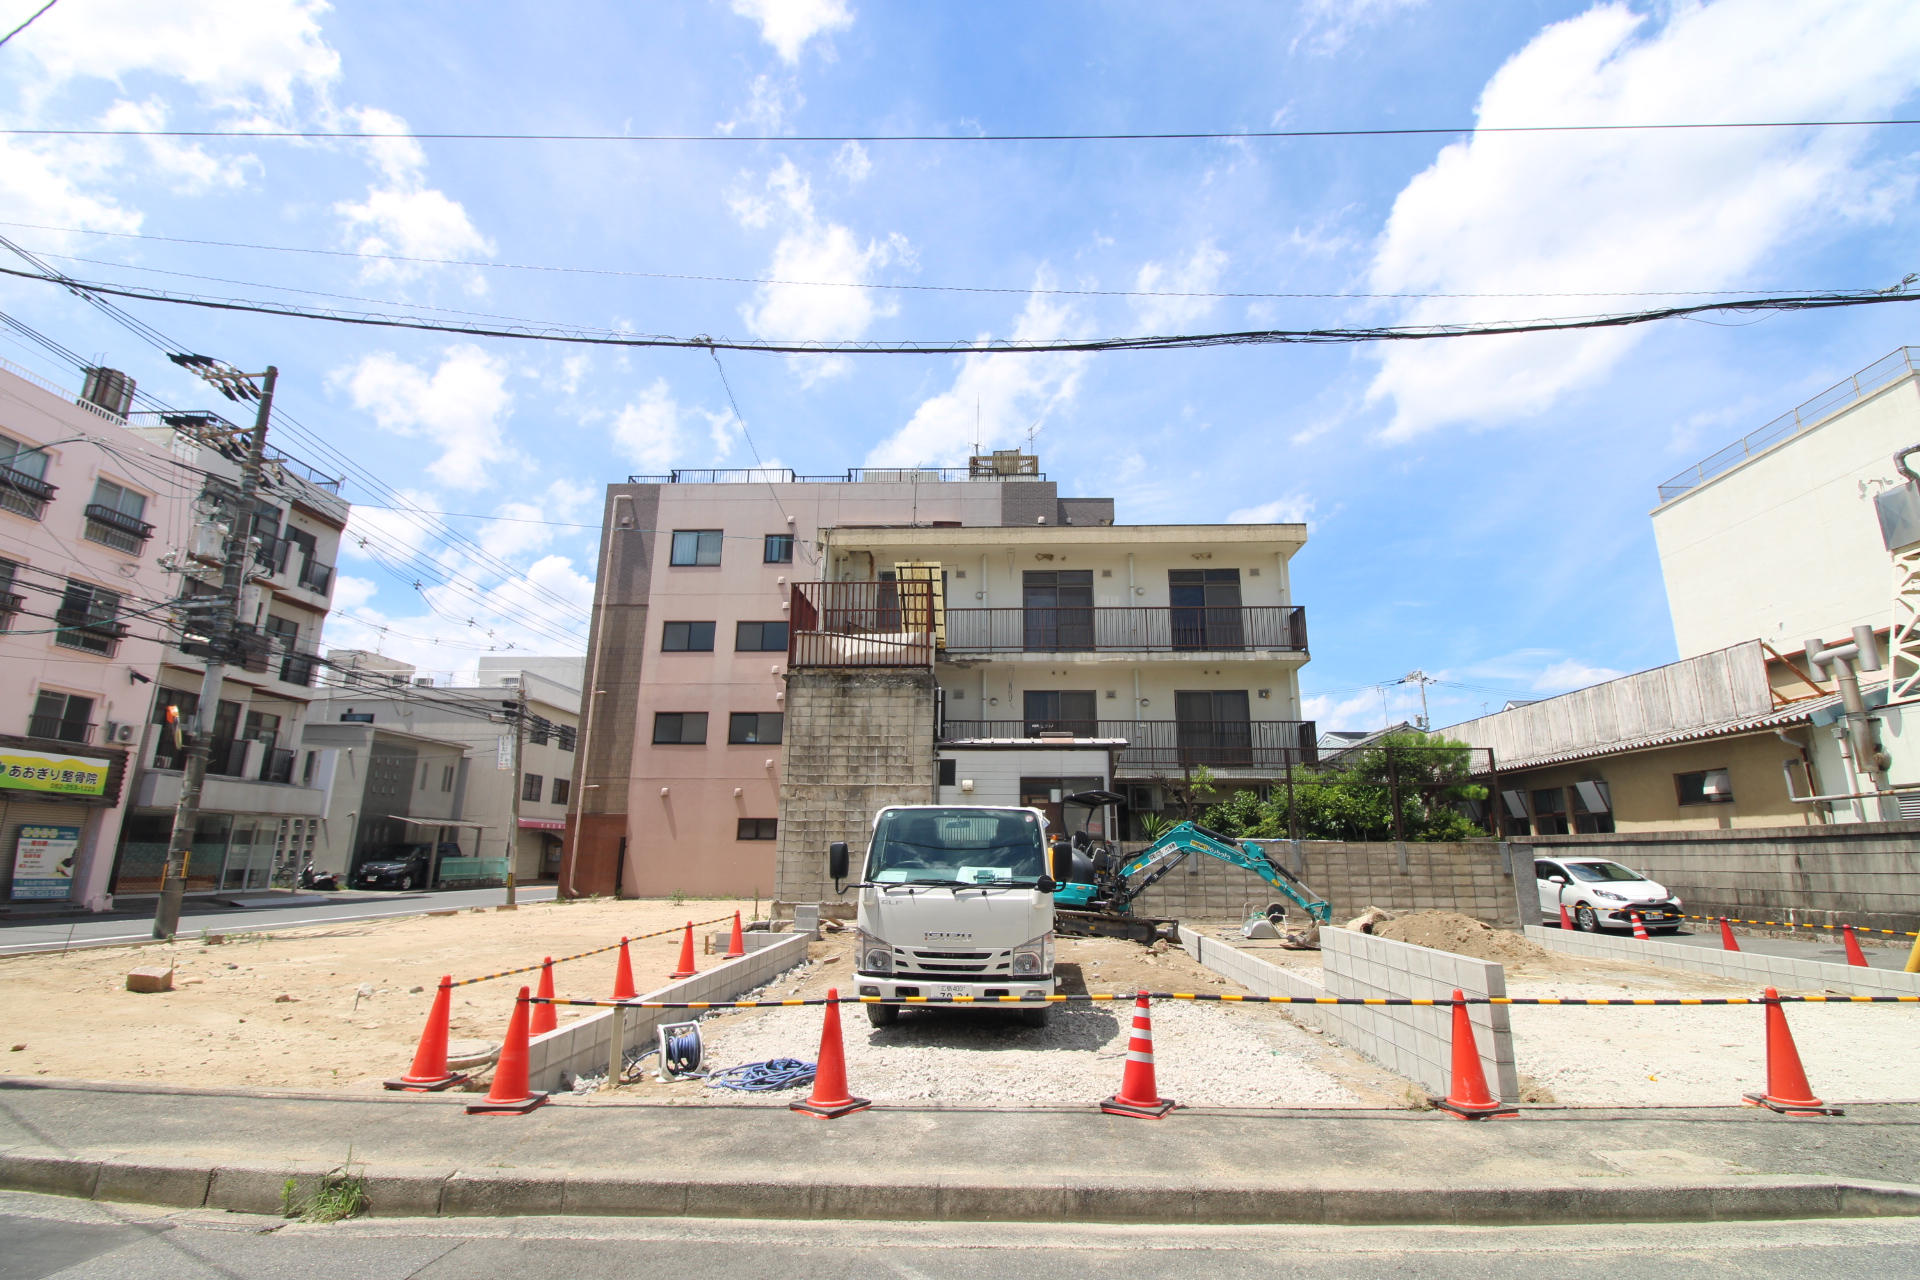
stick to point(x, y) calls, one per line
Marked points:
point(1352, 799)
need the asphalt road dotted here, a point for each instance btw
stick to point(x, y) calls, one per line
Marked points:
point(118, 929)
point(46, 1236)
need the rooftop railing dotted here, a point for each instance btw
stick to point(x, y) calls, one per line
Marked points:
point(853, 475)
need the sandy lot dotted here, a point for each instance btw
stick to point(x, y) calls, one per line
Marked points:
point(357, 994)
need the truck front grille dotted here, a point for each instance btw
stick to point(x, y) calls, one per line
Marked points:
point(951, 968)
point(953, 955)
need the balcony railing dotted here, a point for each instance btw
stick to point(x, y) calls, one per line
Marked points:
point(82, 629)
point(316, 577)
point(228, 758)
point(271, 553)
point(116, 529)
point(61, 730)
point(1141, 630)
point(276, 765)
point(861, 624)
point(23, 494)
point(1170, 744)
point(299, 669)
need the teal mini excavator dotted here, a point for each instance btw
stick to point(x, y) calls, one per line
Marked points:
point(1098, 899)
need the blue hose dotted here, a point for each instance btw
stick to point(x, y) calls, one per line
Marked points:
point(763, 1077)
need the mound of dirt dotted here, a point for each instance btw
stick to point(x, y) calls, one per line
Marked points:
point(1462, 935)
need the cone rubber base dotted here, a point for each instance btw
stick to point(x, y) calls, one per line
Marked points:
point(1115, 1107)
point(1813, 1108)
point(426, 1086)
point(1459, 1112)
point(675, 977)
point(820, 1112)
point(518, 1107)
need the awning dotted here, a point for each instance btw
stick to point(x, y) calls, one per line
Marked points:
point(542, 824)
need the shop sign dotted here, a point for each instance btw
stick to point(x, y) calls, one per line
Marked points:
point(23, 770)
point(43, 862)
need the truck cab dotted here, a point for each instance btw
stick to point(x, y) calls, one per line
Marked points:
point(955, 901)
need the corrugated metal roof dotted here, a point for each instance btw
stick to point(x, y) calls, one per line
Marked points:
point(1795, 713)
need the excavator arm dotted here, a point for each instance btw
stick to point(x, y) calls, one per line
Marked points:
point(1189, 838)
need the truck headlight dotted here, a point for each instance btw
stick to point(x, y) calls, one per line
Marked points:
point(1034, 958)
point(875, 955)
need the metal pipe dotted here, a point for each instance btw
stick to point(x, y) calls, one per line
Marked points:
point(1786, 767)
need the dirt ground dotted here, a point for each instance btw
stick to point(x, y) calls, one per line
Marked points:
point(326, 1007)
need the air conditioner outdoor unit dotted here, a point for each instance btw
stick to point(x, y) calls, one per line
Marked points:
point(118, 732)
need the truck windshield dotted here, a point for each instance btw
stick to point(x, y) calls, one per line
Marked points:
point(972, 846)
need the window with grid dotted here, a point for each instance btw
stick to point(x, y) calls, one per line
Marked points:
point(779, 548)
point(684, 728)
point(760, 637)
point(63, 716)
point(539, 730)
point(531, 786)
point(114, 517)
point(754, 727)
point(696, 546)
point(687, 637)
point(562, 788)
point(566, 737)
point(758, 829)
point(23, 486)
point(86, 619)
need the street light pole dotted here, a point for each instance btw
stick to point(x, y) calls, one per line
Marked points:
point(225, 631)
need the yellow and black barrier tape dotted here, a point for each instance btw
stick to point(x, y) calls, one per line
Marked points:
point(1403, 1001)
point(611, 946)
point(1795, 924)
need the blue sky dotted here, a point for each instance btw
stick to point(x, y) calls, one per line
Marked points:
point(1478, 507)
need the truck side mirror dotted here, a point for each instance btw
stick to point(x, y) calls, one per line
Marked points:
point(1062, 860)
point(837, 860)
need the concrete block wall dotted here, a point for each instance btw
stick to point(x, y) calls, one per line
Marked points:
point(1471, 877)
point(1863, 873)
point(856, 740)
point(1749, 966)
point(584, 1046)
point(1256, 975)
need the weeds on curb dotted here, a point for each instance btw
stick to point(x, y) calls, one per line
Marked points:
point(341, 1195)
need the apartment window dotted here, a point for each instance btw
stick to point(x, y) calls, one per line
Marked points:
point(1707, 786)
point(539, 730)
point(687, 637)
point(566, 736)
point(63, 716)
point(1073, 710)
point(10, 601)
point(23, 486)
point(426, 771)
point(779, 548)
point(754, 727)
point(86, 619)
point(1550, 812)
point(686, 728)
point(562, 787)
point(760, 637)
point(759, 829)
point(531, 786)
point(1592, 808)
point(446, 777)
point(114, 517)
point(696, 546)
point(949, 772)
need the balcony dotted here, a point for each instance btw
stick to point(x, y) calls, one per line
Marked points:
point(1169, 745)
point(114, 529)
point(23, 494)
point(861, 624)
point(87, 631)
point(299, 669)
point(1239, 629)
point(10, 604)
point(61, 730)
point(276, 765)
point(316, 577)
point(270, 554)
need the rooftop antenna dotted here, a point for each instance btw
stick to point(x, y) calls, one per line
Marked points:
point(977, 442)
point(1032, 431)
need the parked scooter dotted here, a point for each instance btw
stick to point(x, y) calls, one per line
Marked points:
point(322, 881)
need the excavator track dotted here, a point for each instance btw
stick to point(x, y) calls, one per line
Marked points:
point(1111, 924)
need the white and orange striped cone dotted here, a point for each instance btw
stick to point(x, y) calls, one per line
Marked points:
point(1139, 1096)
point(1639, 930)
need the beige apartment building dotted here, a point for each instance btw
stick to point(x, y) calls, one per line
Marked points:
point(1047, 619)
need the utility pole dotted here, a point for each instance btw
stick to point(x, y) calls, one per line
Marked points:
point(519, 783)
point(225, 630)
point(1422, 679)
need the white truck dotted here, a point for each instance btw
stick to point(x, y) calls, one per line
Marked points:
point(955, 901)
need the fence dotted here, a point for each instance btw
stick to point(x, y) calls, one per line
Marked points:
point(1169, 744)
point(861, 624)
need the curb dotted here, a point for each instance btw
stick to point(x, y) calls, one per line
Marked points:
point(395, 1191)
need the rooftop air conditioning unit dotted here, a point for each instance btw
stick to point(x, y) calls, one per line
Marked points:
point(423, 682)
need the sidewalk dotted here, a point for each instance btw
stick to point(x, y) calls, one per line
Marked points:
point(422, 1155)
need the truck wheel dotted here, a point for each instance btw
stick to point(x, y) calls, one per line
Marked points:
point(883, 1015)
point(1034, 1017)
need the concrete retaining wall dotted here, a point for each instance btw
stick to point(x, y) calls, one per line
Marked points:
point(1415, 1042)
point(1860, 873)
point(584, 1046)
point(1750, 966)
point(1472, 877)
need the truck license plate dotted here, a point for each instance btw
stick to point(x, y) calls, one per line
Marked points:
point(950, 993)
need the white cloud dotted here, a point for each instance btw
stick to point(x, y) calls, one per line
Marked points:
point(526, 526)
point(1003, 394)
point(1331, 23)
point(770, 104)
point(1570, 674)
point(1546, 213)
point(401, 214)
point(1359, 712)
point(350, 592)
point(648, 431)
point(852, 162)
point(1295, 508)
point(461, 406)
point(787, 25)
point(1200, 273)
point(190, 167)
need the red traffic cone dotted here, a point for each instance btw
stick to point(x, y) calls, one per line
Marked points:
point(1639, 930)
point(1139, 1096)
point(545, 1017)
point(1566, 921)
point(429, 1073)
point(1726, 936)
point(1855, 956)
point(686, 969)
point(737, 945)
point(510, 1095)
point(1787, 1089)
point(623, 988)
point(830, 1099)
point(1470, 1099)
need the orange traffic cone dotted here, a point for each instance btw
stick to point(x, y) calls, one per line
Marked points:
point(1787, 1089)
point(1566, 921)
point(1139, 1096)
point(1726, 936)
point(545, 1017)
point(686, 969)
point(830, 1099)
point(510, 1095)
point(623, 988)
point(429, 1073)
point(1639, 930)
point(1469, 1099)
point(1855, 956)
point(737, 945)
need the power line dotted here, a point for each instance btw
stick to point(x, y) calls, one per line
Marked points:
point(818, 284)
point(29, 22)
point(1005, 346)
point(1194, 136)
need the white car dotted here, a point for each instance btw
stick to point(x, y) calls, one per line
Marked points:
point(1602, 894)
